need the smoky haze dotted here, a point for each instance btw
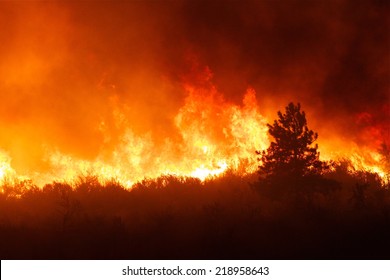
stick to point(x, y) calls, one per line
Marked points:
point(75, 75)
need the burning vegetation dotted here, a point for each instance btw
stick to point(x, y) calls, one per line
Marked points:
point(209, 136)
point(125, 119)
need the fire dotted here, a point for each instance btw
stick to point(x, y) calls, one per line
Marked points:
point(122, 91)
point(211, 136)
point(370, 163)
point(360, 158)
point(202, 173)
point(214, 135)
point(5, 167)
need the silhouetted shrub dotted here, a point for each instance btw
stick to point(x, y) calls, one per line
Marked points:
point(170, 217)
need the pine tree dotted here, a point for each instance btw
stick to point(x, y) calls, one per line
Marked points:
point(292, 153)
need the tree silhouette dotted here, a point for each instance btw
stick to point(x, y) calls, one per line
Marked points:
point(292, 153)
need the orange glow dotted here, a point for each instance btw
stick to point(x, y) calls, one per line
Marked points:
point(361, 159)
point(214, 135)
point(5, 167)
point(86, 91)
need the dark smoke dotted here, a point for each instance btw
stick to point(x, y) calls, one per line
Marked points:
point(65, 67)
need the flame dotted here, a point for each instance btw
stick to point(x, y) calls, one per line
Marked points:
point(74, 86)
point(214, 135)
point(360, 158)
point(5, 167)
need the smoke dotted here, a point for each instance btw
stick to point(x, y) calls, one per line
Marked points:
point(75, 75)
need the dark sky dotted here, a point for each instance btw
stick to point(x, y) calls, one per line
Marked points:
point(65, 66)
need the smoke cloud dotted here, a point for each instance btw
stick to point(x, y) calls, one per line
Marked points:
point(75, 75)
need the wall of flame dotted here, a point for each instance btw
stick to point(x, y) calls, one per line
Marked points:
point(140, 89)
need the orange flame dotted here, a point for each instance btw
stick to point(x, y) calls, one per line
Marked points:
point(215, 135)
point(212, 136)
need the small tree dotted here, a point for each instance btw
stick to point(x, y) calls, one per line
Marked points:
point(291, 154)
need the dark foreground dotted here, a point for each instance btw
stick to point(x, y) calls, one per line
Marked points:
point(171, 218)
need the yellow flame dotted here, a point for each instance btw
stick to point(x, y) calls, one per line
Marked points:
point(361, 158)
point(203, 173)
point(215, 135)
point(5, 167)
